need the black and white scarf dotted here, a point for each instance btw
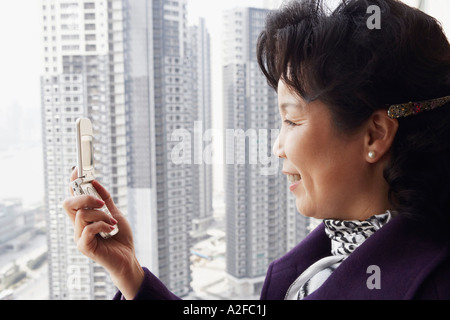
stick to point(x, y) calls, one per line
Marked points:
point(345, 237)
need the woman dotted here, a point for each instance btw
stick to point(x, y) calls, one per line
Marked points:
point(375, 168)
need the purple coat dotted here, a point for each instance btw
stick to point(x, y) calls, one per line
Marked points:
point(411, 265)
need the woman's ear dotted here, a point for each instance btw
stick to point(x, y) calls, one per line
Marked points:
point(381, 131)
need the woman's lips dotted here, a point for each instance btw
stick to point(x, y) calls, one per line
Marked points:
point(294, 179)
point(294, 185)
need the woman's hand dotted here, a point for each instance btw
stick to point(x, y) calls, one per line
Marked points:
point(117, 253)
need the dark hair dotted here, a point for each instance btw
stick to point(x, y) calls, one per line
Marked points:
point(335, 57)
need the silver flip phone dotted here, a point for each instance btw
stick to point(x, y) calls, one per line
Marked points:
point(85, 163)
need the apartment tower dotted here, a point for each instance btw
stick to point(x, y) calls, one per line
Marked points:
point(83, 76)
point(139, 73)
point(199, 62)
point(167, 69)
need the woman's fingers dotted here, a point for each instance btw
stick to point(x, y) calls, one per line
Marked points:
point(72, 204)
point(106, 196)
point(81, 210)
point(86, 217)
point(88, 220)
point(87, 241)
point(73, 177)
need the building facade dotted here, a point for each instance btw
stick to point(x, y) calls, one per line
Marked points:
point(83, 76)
point(160, 207)
point(199, 62)
point(139, 73)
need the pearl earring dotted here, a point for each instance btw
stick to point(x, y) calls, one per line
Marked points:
point(372, 154)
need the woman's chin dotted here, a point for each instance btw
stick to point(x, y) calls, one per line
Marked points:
point(304, 209)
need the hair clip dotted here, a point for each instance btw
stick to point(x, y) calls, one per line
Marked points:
point(412, 108)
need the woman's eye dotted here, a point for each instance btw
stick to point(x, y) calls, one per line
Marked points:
point(289, 123)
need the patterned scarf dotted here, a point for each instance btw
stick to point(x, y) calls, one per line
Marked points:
point(345, 237)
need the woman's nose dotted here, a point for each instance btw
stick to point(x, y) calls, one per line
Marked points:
point(278, 149)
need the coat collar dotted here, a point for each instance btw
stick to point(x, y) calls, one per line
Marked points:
point(400, 251)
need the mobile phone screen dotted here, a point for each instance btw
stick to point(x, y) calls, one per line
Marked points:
point(87, 153)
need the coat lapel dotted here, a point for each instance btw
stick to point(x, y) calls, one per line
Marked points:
point(398, 256)
point(283, 272)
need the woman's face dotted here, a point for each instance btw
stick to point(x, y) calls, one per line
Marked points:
point(327, 169)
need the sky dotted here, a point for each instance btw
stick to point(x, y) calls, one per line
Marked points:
point(20, 58)
point(22, 165)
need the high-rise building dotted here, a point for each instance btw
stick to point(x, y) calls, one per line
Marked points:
point(83, 76)
point(262, 222)
point(167, 91)
point(160, 206)
point(140, 73)
point(199, 60)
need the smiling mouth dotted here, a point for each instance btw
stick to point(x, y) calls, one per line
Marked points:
point(293, 178)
